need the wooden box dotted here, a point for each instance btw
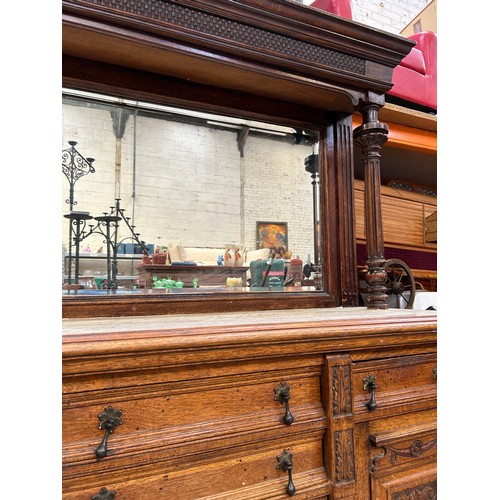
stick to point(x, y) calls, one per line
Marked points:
point(431, 228)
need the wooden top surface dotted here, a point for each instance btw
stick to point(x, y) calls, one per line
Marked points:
point(333, 316)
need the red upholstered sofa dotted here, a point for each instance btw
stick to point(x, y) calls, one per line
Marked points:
point(415, 78)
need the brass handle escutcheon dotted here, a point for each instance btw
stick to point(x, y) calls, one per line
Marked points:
point(282, 394)
point(286, 465)
point(108, 420)
point(105, 494)
point(370, 384)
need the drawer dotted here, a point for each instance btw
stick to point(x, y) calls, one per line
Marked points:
point(420, 482)
point(394, 385)
point(174, 420)
point(188, 396)
point(248, 473)
point(402, 442)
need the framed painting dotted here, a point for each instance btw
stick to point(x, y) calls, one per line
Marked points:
point(272, 235)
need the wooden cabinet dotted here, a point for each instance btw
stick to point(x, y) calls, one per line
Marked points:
point(212, 407)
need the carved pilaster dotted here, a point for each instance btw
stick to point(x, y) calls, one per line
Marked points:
point(341, 390)
point(344, 456)
point(339, 440)
point(370, 136)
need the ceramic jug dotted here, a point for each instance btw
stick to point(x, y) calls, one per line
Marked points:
point(229, 256)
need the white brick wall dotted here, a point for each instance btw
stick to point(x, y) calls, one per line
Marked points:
point(387, 15)
point(191, 186)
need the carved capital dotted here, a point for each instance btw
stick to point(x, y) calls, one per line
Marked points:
point(371, 138)
point(371, 134)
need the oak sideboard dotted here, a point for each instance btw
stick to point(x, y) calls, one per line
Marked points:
point(315, 403)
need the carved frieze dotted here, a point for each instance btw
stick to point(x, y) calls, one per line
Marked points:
point(421, 492)
point(219, 28)
point(416, 449)
point(390, 454)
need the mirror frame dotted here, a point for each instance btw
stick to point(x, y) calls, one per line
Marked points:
point(274, 60)
point(337, 178)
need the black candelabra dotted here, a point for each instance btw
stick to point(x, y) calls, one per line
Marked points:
point(74, 167)
point(77, 224)
point(107, 225)
point(312, 166)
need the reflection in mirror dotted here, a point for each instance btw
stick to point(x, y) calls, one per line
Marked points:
point(157, 198)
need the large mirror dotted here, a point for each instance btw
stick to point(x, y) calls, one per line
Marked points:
point(161, 199)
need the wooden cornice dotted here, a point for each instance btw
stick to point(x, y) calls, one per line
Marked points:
point(272, 48)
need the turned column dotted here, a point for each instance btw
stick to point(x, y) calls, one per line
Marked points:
point(369, 137)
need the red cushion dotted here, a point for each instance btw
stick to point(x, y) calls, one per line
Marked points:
point(410, 82)
point(415, 61)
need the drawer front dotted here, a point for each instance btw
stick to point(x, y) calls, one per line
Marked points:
point(419, 483)
point(394, 385)
point(172, 421)
point(189, 396)
point(246, 474)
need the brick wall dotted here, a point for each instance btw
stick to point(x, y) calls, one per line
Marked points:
point(183, 183)
point(387, 15)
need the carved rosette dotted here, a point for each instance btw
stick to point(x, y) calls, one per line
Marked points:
point(341, 389)
point(344, 456)
point(370, 136)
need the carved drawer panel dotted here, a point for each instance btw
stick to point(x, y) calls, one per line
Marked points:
point(176, 419)
point(395, 385)
point(253, 472)
point(173, 402)
point(416, 484)
point(405, 442)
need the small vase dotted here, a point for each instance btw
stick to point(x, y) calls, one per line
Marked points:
point(229, 256)
point(238, 261)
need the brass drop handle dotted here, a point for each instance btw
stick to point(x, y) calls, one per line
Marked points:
point(282, 394)
point(435, 373)
point(286, 465)
point(370, 384)
point(108, 420)
point(105, 494)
